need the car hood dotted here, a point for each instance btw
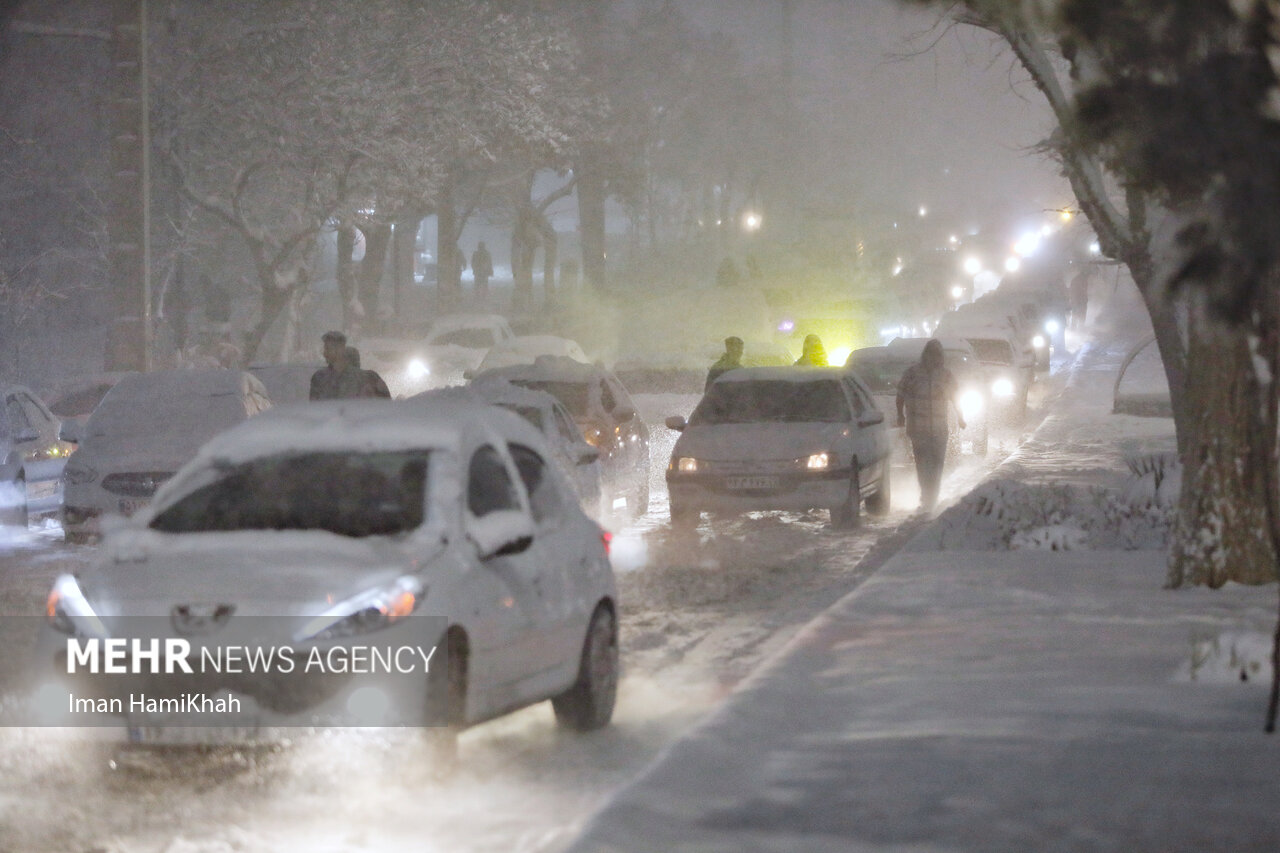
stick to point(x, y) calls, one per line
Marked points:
point(762, 441)
point(267, 574)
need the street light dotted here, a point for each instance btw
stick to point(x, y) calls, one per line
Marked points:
point(751, 221)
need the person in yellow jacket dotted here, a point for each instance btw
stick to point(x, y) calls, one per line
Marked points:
point(813, 354)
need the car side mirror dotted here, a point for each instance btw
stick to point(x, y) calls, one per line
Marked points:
point(871, 419)
point(501, 532)
point(676, 422)
point(623, 413)
point(70, 432)
point(587, 454)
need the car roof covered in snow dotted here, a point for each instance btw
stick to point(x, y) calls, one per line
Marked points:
point(524, 349)
point(782, 374)
point(447, 422)
point(207, 382)
point(553, 368)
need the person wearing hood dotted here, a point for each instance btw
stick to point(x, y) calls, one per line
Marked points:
point(925, 391)
point(813, 354)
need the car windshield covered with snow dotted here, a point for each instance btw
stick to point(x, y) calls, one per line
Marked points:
point(754, 401)
point(576, 396)
point(992, 350)
point(350, 494)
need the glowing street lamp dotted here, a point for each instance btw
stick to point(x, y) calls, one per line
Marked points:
point(752, 221)
point(1012, 264)
point(972, 265)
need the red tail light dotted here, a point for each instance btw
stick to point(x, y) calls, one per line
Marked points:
point(606, 537)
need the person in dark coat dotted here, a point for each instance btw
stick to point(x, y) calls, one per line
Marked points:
point(731, 359)
point(339, 379)
point(925, 392)
point(481, 267)
point(373, 384)
point(814, 354)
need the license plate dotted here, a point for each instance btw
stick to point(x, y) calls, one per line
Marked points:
point(758, 482)
point(128, 506)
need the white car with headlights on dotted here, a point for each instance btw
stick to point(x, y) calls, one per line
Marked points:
point(344, 531)
point(881, 368)
point(786, 438)
point(452, 348)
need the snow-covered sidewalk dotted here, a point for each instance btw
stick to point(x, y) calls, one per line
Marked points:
point(1016, 679)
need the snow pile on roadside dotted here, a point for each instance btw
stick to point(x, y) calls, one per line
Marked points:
point(1008, 515)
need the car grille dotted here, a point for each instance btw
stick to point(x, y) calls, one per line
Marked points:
point(135, 484)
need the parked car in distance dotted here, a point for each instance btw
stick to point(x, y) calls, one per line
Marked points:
point(579, 461)
point(145, 428)
point(604, 411)
point(355, 524)
point(32, 456)
point(881, 368)
point(286, 383)
point(526, 349)
point(794, 438)
point(74, 401)
point(454, 346)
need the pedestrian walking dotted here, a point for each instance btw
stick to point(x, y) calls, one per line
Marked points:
point(481, 268)
point(925, 392)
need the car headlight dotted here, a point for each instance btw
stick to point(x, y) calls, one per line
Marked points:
point(367, 612)
point(818, 462)
point(685, 465)
point(69, 612)
point(1002, 387)
point(78, 475)
point(971, 404)
point(596, 436)
point(417, 369)
point(1052, 326)
point(1038, 342)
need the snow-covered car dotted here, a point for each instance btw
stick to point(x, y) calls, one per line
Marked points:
point(881, 368)
point(526, 349)
point(32, 456)
point(286, 383)
point(1009, 363)
point(72, 402)
point(578, 460)
point(788, 438)
point(604, 411)
point(343, 528)
point(144, 430)
point(453, 347)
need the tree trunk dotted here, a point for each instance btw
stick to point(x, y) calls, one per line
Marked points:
point(1222, 532)
point(402, 249)
point(346, 274)
point(448, 230)
point(550, 258)
point(591, 198)
point(372, 269)
point(524, 248)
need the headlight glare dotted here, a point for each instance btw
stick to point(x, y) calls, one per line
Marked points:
point(1038, 342)
point(1052, 326)
point(971, 404)
point(818, 462)
point(1002, 387)
point(687, 465)
point(417, 369)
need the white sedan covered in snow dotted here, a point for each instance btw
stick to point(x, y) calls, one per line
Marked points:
point(350, 532)
point(781, 438)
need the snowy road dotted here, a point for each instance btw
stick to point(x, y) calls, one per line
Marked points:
point(698, 615)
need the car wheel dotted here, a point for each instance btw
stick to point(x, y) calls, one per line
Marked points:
point(684, 518)
point(878, 504)
point(16, 514)
point(588, 704)
point(848, 514)
point(446, 706)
